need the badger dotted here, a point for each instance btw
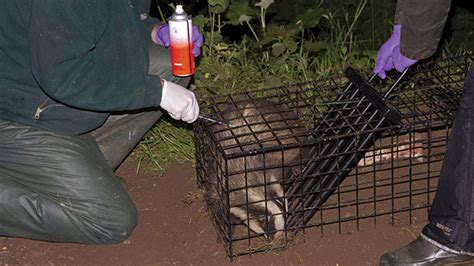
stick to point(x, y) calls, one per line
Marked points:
point(255, 183)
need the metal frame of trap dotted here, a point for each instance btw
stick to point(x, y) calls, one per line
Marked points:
point(348, 119)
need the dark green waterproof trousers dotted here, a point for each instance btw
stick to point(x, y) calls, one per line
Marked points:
point(63, 188)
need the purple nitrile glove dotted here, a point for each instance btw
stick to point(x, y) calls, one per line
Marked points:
point(163, 38)
point(389, 56)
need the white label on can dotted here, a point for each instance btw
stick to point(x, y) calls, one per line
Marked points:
point(180, 32)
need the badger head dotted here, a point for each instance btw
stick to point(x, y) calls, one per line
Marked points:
point(264, 217)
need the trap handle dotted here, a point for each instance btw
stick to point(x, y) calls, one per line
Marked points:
point(395, 84)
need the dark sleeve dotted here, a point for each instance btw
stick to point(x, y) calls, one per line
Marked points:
point(74, 66)
point(422, 24)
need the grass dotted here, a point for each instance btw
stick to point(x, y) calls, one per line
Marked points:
point(243, 65)
point(167, 141)
point(239, 66)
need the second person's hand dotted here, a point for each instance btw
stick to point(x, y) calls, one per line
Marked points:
point(390, 57)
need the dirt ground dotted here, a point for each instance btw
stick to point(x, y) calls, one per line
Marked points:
point(174, 229)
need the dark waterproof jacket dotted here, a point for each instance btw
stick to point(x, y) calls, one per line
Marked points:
point(422, 25)
point(65, 64)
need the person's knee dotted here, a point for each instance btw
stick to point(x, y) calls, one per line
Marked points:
point(112, 216)
point(126, 222)
point(117, 226)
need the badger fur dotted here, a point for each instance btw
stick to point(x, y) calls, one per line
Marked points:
point(255, 182)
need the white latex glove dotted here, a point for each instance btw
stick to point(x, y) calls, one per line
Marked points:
point(179, 102)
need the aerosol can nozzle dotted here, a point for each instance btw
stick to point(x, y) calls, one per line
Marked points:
point(179, 9)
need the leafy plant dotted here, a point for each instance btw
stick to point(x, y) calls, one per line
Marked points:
point(252, 44)
point(164, 143)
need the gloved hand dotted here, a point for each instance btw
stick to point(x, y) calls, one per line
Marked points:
point(163, 38)
point(179, 102)
point(389, 56)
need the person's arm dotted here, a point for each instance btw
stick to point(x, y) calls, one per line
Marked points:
point(422, 24)
point(74, 66)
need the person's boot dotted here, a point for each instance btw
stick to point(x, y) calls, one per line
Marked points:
point(421, 252)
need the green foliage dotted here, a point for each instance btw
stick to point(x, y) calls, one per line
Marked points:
point(165, 142)
point(237, 9)
point(201, 21)
point(264, 4)
point(218, 6)
point(461, 28)
point(315, 46)
point(310, 18)
point(252, 44)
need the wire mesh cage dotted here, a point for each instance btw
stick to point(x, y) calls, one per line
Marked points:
point(325, 152)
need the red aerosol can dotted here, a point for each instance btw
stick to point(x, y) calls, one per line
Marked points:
point(181, 42)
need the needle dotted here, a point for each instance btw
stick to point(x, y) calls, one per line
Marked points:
point(215, 121)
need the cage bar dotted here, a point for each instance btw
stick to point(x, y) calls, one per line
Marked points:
point(253, 174)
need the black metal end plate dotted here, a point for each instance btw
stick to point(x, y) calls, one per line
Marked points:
point(387, 110)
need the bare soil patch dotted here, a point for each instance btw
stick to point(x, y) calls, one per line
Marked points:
point(175, 229)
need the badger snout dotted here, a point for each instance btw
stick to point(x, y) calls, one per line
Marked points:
point(264, 218)
point(275, 227)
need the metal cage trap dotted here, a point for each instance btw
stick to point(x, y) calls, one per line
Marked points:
point(326, 152)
